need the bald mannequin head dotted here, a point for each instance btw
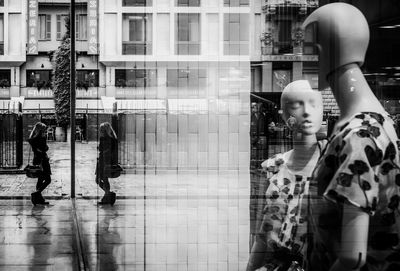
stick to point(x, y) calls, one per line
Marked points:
point(300, 102)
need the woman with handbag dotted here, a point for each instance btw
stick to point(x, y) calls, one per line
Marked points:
point(37, 140)
point(108, 157)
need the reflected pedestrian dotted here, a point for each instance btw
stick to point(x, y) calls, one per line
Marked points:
point(108, 156)
point(37, 140)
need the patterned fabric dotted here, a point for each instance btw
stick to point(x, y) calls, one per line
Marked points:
point(360, 166)
point(284, 226)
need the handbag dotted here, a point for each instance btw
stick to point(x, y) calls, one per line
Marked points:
point(33, 171)
point(112, 171)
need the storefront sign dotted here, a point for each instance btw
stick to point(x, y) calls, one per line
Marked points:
point(32, 27)
point(290, 58)
point(92, 19)
point(90, 93)
point(43, 93)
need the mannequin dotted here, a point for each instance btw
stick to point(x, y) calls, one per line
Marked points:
point(281, 238)
point(354, 180)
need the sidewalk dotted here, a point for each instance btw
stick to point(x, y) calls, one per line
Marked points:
point(167, 183)
point(170, 220)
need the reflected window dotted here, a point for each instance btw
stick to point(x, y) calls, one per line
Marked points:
point(61, 28)
point(187, 34)
point(187, 3)
point(135, 77)
point(186, 78)
point(44, 27)
point(1, 34)
point(310, 36)
point(236, 3)
point(282, 75)
point(5, 78)
point(236, 34)
point(137, 3)
point(137, 34)
point(81, 26)
point(284, 44)
point(38, 78)
point(87, 78)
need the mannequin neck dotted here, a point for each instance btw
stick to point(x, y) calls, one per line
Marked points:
point(302, 142)
point(303, 155)
point(352, 92)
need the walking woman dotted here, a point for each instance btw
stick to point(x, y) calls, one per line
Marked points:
point(108, 156)
point(37, 140)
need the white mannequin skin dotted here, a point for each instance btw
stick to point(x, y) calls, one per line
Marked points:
point(353, 95)
point(305, 105)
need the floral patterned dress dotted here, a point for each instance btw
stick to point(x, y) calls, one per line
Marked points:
point(284, 226)
point(360, 167)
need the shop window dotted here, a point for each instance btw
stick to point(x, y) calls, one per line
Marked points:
point(61, 28)
point(87, 78)
point(38, 78)
point(44, 27)
point(81, 26)
point(187, 3)
point(236, 3)
point(137, 3)
point(137, 34)
point(135, 77)
point(187, 34)
point(187, 78)
point(1, 34)
point(236, 34)
point(5, 78)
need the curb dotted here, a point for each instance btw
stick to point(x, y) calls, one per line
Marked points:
point(11, 171)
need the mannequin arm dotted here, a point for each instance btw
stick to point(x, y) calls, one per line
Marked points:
point(257, 255)
point(353, 248)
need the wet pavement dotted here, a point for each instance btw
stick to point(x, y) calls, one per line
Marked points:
point(169, 220)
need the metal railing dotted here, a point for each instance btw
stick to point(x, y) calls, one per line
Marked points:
point(11, 140)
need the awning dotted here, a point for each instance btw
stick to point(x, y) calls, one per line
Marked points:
point(188, 105)
point(12, 104)
point(88, 105)
point(147, 105)
point(36, 106)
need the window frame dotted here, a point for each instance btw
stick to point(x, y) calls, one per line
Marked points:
point(179, 42)
point(78, 34)
point(47, 27)
point(178, 3)
point(46, 85)
point(59, 24)
point(143, 46)
point(81, 82)
point(149, 78)
point(147, 3)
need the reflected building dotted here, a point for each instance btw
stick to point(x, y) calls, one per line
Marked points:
point(283, 52)
point(177, 70)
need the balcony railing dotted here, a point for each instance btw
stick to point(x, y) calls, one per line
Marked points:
point(279, 48)
point(136, 48)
